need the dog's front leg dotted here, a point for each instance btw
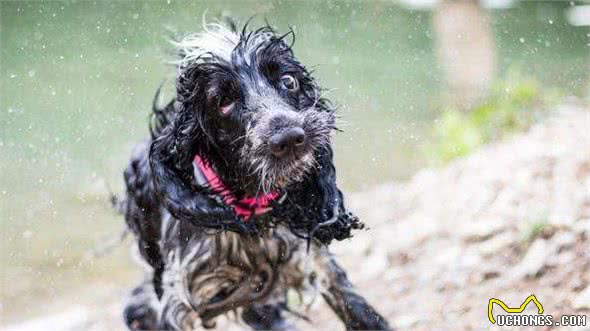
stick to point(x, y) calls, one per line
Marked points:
point(267, 317)
point(351, 308)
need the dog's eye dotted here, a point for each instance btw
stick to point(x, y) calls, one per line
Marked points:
point(289, 83)
point(226, 106)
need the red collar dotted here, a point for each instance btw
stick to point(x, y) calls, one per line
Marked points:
point(245, 207)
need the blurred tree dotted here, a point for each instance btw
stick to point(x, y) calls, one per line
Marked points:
point(465, 48)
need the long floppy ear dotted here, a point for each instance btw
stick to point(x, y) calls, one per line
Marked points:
point(171, 160)
point(316, 206)
point(174, 147)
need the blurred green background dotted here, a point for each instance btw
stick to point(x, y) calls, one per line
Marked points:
point(78, 78)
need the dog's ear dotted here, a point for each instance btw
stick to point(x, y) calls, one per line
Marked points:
point(336, 221)
point(328, 197)
point(188, 128)
point(172, 152)
point(171, 162)
point(321, 213)
point(187, 83)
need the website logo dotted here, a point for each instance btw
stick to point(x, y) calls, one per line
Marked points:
point(514, 315)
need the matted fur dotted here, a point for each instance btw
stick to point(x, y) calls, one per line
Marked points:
point(206, 261)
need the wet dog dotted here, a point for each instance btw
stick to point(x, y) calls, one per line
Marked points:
point(233, 198)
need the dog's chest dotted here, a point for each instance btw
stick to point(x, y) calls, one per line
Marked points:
point(216, 273)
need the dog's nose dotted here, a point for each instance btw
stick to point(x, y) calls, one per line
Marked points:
point(290, 140)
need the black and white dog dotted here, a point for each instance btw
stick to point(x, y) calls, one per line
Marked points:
point(233, 198)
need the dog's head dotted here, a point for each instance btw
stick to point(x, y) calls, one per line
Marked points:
point(251, 108)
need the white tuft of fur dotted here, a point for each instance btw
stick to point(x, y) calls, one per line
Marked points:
point(218, 41)
point(215, 40)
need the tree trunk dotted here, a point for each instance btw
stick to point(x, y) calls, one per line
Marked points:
point(465, 48)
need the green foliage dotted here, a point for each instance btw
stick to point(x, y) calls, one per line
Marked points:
point(455, 135)
point(512, 106)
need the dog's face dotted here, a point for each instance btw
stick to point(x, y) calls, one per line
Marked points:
point(259, 108)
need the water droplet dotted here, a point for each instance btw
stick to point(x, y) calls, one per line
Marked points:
point(27, 234)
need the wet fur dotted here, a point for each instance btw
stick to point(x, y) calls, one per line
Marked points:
point(203, 261)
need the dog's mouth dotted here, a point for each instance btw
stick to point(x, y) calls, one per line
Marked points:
point(276, 173)
point(292, 169)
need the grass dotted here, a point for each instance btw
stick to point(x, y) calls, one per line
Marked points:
point(513, 105)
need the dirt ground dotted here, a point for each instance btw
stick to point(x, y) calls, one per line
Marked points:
point(509, 221)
